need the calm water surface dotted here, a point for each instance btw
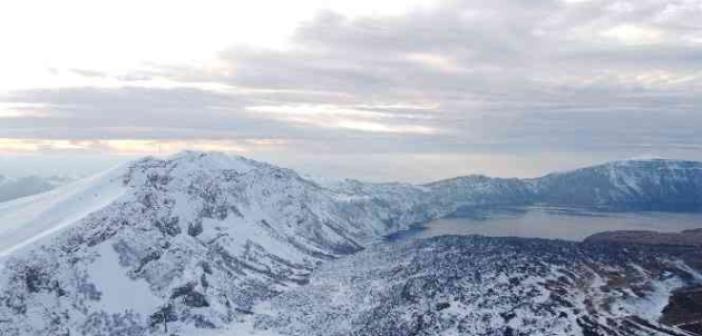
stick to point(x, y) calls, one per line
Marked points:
point(554, 223)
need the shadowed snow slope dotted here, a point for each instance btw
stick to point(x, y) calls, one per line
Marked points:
point(636, 184)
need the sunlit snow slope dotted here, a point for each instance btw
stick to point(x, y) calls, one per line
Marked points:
point(32, 218)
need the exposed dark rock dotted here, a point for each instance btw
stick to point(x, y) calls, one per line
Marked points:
point(685, 309)
point(195, 228)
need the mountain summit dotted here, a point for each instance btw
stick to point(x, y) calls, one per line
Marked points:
point(197, 240)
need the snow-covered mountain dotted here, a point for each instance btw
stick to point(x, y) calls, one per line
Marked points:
point(206, 235)
point(12, 188)
point(198, 240)
point(634, 184)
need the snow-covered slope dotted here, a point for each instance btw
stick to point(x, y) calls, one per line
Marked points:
point(654, 184)
point(471, 285)
point(197, 240)
point(29, 219)
point(634, 184)
point(203, 235)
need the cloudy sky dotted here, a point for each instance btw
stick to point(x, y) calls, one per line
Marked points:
point(409, 90)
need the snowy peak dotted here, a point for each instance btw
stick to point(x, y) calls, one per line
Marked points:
point(188, 163)
point(216, 160)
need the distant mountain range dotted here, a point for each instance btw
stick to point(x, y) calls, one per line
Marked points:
point(201, 240)
point(657, 184)
point(12, 188)
point(636, 184)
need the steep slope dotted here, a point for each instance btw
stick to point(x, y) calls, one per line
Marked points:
point(27, 220)
point(471, 285)
point(623, 185)
point(196, 239)
point(459, 194)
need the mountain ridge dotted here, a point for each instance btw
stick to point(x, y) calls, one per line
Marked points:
point(202, 238)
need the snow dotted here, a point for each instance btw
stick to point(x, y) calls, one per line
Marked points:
point(118, 292)
point(651, 306)
point(213, 161)
point(31, 219)
point(246, 329)
point(275, 229)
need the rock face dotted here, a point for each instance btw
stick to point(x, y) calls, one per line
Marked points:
point(471, 285)
point(197, 240)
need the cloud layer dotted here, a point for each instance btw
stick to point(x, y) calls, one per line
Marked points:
point(593, 78)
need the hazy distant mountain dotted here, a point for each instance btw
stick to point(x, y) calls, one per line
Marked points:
point(622, 185)
point(198, 240)
point(636, 184)
point(11, 188)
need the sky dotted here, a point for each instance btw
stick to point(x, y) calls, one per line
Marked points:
point(405, 90)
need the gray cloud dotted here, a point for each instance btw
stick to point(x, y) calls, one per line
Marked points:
point(505, 77)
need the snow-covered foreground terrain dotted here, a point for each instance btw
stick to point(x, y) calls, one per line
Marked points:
point(204, 241)
point(472, 285)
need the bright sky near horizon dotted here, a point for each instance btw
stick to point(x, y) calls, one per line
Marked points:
point(381, 90)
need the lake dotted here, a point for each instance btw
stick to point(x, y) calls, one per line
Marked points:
point(553, 223)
